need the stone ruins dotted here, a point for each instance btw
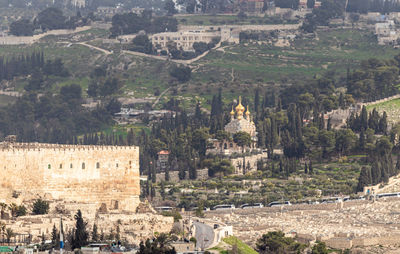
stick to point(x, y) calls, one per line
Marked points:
point(353, 224)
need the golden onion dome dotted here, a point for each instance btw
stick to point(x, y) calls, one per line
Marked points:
point(239, 108)
point(247, 111)
point(232, 112)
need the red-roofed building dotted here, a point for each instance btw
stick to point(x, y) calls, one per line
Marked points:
point(162, 161)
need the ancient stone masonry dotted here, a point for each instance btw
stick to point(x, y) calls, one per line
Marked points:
point(100, 175)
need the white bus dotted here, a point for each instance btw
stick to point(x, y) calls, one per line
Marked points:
point(388, 195)
point(255, 205)
point(223, 207)
point(279, 203)
point(163, 208)
point(332, 200)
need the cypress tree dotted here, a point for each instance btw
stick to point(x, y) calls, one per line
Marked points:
point(376, 173)
point(361, 140)
point(257, 102)
point(383, 123)
point(329, 124)
point(305, 168)
point(364, 118)
point(364, 179)
point(81, 236)
point(54, 235)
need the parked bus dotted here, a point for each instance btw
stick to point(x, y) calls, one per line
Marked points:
point(163, 208)
point(223, 207)
point(279, 203)
point(332, 200)
point(388, 195)
point(255, 205)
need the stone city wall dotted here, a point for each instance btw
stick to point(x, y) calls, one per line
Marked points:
point(88, 174)
point(19, 40)
point(202, 174)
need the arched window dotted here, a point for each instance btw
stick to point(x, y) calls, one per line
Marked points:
point(225, 146)
point(98, 165)
point(116, 165)
point(83, 165)
point(130, 164)
point(231, 145)
point(49, 166)
point(70, 165)
point(60, 166)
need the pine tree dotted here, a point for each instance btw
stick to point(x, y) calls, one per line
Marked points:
point(305, 168)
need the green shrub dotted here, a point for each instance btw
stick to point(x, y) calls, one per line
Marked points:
point(40, 207)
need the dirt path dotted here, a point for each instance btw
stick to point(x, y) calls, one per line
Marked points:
point(159, 97)
point(96, 48)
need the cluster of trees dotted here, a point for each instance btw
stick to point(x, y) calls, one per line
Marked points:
point(185, 137)
point(293, 4)
point(219, 167)
point(181, 73)
point(21, 65)
point(34, 65)
point(364, 121)
point(129, 23)
point(201, 47)
point(52, 118)
point(375, 79)
point(49, 19)
point(103, 87)
point(382, 166)
point(276, 242)
point(321, 16)
point(158, 245)
point(39, 207)
point(104, 138)
point(206, 6)
point(142, 43)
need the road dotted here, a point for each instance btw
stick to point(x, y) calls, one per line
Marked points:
point(204, 235)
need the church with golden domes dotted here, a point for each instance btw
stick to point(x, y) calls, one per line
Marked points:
point(240, 121)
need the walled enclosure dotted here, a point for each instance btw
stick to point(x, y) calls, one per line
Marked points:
point(87, 174)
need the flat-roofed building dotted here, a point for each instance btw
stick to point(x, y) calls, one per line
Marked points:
point(183, 39)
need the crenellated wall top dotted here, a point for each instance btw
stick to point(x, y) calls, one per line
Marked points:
point(47, 146)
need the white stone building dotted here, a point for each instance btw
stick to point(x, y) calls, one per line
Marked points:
point(183, 39)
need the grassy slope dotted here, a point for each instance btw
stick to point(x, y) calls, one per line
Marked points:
point(391, 107)
point(252, 64)
point(136, 73)
point(333, 50)
point(242, 247)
